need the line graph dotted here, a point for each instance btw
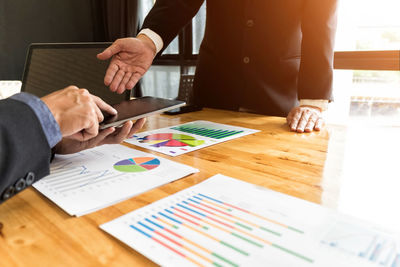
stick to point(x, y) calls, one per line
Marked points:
point(364, 243)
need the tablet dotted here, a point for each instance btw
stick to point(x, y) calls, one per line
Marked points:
point(139, 108)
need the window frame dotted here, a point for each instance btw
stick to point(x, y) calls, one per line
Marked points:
point(367, 60)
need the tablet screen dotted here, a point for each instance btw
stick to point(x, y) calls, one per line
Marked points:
point(139, 108)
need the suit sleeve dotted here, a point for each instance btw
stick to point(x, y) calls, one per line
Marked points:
point(24, 150)
point(168, 17)
point(318, 26)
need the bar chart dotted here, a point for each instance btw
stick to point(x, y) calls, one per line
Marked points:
point(227, 222)
point(196, 216)
point(184, 138)
point(201, 226)
point(204, 130)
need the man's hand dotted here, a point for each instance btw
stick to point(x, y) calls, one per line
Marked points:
point(131, 58)
point(77, 112)
point(305, 119)
point(107, 136)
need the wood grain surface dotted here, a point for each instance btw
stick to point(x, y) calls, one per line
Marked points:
point(35, 232)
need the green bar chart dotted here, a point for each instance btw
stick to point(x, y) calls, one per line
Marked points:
point(203, 131)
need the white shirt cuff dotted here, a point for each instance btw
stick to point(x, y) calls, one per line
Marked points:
point(157, 40)
point(320, 103)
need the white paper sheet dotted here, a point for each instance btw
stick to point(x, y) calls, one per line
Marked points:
point(184, 138)
point(96, 178)
point(228, 222)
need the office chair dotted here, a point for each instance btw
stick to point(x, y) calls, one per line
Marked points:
point(186, 94)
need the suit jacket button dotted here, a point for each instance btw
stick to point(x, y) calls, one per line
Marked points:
point(20, 184)
point(9, 192)
point(29, 178)
point(246, 60)
point(250, 23)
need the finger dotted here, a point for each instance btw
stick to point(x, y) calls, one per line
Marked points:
point(289, 117)
point(104, 106)
point(101, 137)
point(125, 80)
point(137, 126)
point(319, 124)
point(311, 123)
point(110, 73)
point(303, 121)
point(100, 116)
point(110, 51)
point(117, 80)
point(76, 136)
point(91, 131)
point(133, 80)
point(121, 134)
point(295, 120)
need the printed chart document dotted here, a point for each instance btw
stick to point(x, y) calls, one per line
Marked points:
point(184, 138)
point(93, 179)
point(227, 222)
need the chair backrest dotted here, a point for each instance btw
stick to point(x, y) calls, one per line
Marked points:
point(185, 92)
point(53, 66)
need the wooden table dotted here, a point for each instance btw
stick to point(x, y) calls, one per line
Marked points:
point(36, 232)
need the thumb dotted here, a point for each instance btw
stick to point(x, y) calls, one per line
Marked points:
point(109, 51)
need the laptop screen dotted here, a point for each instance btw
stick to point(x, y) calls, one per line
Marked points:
point(50, 67)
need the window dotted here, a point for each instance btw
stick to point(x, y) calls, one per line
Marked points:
point(179, 57)
point(369, 26)
point(199, 24)
point(367, 95)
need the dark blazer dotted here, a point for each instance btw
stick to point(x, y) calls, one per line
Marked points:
point(262, 55)
point(24, 150)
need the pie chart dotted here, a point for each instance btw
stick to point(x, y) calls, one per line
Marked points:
point(171, 140)
point(140, 164)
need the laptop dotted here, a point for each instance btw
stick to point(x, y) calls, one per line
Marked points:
point(53, 66)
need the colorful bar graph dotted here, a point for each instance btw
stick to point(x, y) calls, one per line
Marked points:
point(201, 218)
point(252, 213)
point(226, 222)
point(232, 216)
point(207, 132)
point(195, 245)
point(165, 245)
point(223, 224)
point(202, 233)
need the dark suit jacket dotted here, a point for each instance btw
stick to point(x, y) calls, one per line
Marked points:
point(24, 150)
point(257, 54)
